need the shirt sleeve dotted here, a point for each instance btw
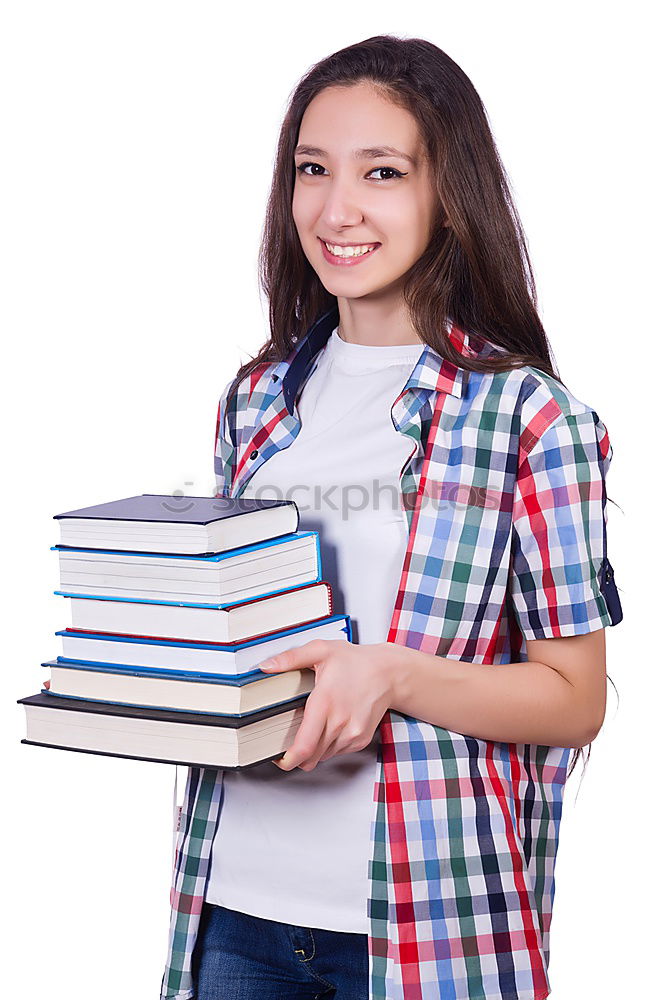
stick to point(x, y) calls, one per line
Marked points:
point(561, 582)
point(224, 447)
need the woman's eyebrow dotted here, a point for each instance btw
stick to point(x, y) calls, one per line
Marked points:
point(368, 153)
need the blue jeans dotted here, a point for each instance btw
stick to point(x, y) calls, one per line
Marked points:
point(241, 957)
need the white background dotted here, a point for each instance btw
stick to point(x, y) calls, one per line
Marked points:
point(138, 141)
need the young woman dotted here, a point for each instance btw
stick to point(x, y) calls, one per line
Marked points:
point(404, 845)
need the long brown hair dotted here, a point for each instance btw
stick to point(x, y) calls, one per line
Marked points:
point(475, 271)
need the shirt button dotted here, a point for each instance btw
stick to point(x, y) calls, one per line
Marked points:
point(253, 454)
point(274, 377)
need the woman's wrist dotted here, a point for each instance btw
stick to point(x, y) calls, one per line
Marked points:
point(399, 664)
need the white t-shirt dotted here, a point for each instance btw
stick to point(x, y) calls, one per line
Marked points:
point(294, 845)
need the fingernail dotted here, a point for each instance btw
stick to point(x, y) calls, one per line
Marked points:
point(267, 664)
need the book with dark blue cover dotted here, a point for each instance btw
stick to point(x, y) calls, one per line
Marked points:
point(157, 522)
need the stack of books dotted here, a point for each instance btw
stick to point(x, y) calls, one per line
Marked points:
point(174, 602)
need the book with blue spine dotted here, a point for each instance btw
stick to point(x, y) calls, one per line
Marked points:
point(224, 658)
point(255, 570)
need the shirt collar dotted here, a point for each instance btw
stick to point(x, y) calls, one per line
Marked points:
point(431, 372)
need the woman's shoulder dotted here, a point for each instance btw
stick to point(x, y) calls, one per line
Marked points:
point(535, 399)
point(528, 386)
point(551, 392)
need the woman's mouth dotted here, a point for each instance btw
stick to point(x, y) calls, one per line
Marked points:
point(347, 256)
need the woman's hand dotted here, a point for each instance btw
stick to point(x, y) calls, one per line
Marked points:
point(353, 689)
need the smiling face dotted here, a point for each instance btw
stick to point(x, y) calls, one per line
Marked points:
point(362, 180)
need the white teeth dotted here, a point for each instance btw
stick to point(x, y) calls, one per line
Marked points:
point(349, 251)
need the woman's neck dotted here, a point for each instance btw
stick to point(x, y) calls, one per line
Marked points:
point(375, 325)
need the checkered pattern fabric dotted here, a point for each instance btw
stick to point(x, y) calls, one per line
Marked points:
point(505, 498)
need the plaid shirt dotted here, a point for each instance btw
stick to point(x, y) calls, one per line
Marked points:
point(505, 499)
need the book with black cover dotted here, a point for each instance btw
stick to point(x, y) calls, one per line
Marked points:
point(191, 739)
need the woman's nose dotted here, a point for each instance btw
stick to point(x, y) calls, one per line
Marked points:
point(341, 207)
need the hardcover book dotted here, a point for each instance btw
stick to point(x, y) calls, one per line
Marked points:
point(156, 522)
point(187, 738)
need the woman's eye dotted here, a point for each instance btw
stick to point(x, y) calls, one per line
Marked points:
point(302, 168)
point(392, 170)
point(317, 170)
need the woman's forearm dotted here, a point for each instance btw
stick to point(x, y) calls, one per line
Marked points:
point(526, 702)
